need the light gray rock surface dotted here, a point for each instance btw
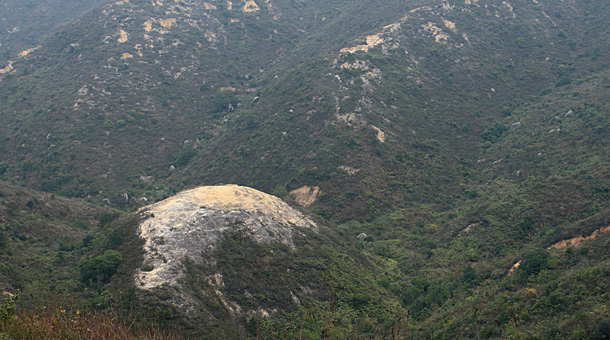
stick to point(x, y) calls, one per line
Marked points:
point(191, 223)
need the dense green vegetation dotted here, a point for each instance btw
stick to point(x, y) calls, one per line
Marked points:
point(495, 126)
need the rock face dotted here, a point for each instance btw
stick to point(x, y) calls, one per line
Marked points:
point(305, 196)
point(190, 224)
point(515, 126)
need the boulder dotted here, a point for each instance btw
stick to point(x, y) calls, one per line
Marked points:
point(147, 179)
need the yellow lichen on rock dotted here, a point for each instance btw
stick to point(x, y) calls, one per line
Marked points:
point(127, 56)
point(305, 196)
point(167, 23)
point(439, 35)
point(450, 25)
point(122, 36)
point(208, 6)
point(25, 53)
point(250, 6)
point(380, 134)
point(8, 68)
point(371, 41)
point(148, 25)
point(514, 268)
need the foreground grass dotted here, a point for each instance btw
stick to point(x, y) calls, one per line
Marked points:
point(61, 322)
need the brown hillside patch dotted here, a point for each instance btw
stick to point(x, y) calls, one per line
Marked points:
point(305, 196)
point(574, 241)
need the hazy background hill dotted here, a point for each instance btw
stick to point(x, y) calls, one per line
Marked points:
point(459, 135)
point(24, 23)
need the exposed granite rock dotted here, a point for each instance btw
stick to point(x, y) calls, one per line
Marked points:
point(191, 223)
point(305, 196)
point(147, 179)
point(350, 171)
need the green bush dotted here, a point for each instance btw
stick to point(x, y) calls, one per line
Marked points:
point(185, 156)
point(494, 132)
point(100, 268)
point(535, 261)
point(7, 307)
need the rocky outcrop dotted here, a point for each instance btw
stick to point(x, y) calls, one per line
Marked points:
point(305, 196)
point(190, 224)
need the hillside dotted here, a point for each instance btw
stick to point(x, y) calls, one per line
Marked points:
point(217, 91)
point(43, 238)
point(460, 136)
point(24, 23)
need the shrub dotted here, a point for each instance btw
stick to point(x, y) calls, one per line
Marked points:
point(535, 261)
point(494, 132)
point(7, 307)
point(100, 268)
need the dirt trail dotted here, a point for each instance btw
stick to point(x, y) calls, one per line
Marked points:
point(574, 241)
point(579, 239)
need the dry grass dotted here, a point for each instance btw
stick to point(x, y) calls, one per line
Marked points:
point(57, 321)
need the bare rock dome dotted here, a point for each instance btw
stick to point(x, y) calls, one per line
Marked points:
point(191, 223)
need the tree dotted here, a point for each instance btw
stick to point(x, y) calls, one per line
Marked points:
point(100, 268)
point(535, 261)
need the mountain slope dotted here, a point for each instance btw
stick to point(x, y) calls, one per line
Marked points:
point(194, 82)
point(222, 260)
point(460, 136)
point(24, 23)
point(42, 240)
